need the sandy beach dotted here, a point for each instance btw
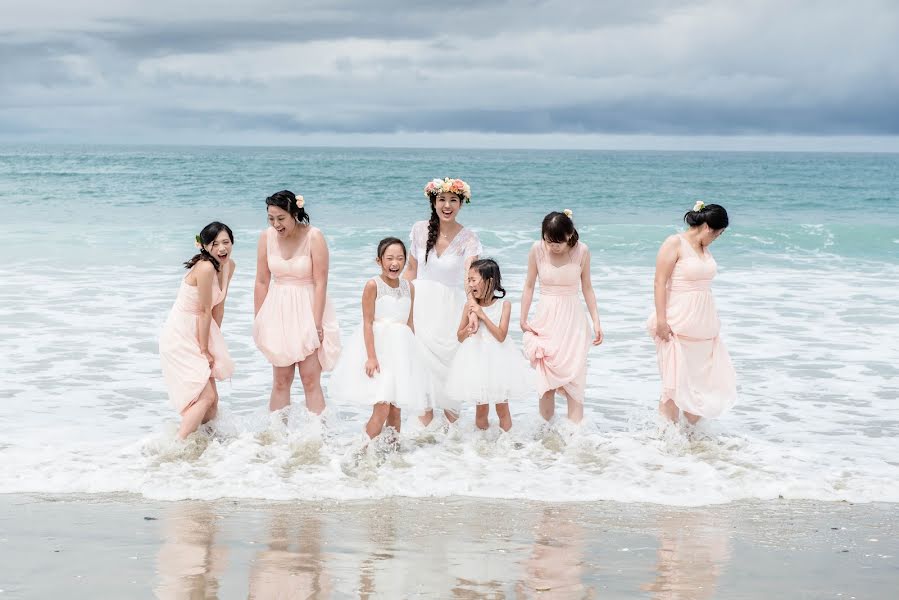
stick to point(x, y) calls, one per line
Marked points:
point(116, 547)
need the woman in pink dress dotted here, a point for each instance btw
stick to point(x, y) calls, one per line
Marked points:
point(295, 325)
point(697, 375)
point(191, 347)
point(557, 339)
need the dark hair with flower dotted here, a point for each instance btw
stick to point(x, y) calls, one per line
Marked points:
point(712, 215)
point(434, 188)
point(203, 239)
point(290, 202)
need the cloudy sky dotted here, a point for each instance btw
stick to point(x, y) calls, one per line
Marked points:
point(579, 73)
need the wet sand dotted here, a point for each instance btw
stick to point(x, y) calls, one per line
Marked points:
point(118, 547)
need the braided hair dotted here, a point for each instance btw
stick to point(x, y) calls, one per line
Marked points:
point(434, 224)
point(206, 237)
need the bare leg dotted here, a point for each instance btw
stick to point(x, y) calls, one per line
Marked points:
point(311, 376)
point(575, 409)
point(379, 415)
point(282, 379)
point(548, 405)
point(193, 415)
point(482, 416)
point(394, 418)
point(669, 410)
point(450, 416)
point(505, 417)
point(213, 410)
point(427, 417)
point(691, 418)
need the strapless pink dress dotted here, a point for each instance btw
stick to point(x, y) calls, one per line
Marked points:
point(284, 328)
point(185, 369)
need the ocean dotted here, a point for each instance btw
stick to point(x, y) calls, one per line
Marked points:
point(92, 244)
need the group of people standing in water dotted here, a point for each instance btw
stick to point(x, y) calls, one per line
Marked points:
point(435, 321)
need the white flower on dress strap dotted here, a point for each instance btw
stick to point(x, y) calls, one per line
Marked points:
point(698, 206)
point(568, 213)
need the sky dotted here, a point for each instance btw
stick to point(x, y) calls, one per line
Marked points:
point(665, 74)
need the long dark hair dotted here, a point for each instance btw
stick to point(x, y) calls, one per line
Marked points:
point(434, 223)
point(287, 200)
point(489, 272)
point(386, 243)
point(712, 215)
point(557, 227)
point(206, 237)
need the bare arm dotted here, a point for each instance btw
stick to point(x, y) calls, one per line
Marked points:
point(465, 330)
point(320, 263)
point(411, 273)
point(499, 330)
point(665, 261)
point(218, 311)
point(590, 298)
point(263, 275)
point(411, 322)
point(204, 272)
point(527, 294)
point(369, 296)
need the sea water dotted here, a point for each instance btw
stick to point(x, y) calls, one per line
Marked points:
point(90, 261)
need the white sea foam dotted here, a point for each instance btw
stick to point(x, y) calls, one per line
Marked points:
point(84, 408)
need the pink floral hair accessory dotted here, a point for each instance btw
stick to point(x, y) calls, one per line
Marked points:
point(453, 186)
point(300, 202)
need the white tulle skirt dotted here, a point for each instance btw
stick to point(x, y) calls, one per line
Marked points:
point(437, 312)
point(404, 379)
point(485, 371)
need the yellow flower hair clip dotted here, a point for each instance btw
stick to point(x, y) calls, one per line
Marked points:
point(300, 202)
point(568, 213)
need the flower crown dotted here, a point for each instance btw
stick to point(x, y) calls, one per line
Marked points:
point(454, 186)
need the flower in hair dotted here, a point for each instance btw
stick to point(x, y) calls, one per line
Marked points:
point(568, 213)
point(198, 242)
point(300, 202)
point(698, 206)
point(453, 186)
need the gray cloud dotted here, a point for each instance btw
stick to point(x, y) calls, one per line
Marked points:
point(664, 67)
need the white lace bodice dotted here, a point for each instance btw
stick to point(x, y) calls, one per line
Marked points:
point(392, 305)
point(449, 267)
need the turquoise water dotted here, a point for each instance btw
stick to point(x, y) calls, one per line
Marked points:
point(93, 238)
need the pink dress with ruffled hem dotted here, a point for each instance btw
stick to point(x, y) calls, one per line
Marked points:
point(696, 370)
point(558, 352)
point(184, 367)
point(284, 329)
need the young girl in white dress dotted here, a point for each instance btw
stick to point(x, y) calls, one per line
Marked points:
point(442, 249)
point(488, 368)
point(382, 366)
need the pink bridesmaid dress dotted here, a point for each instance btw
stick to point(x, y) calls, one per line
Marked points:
point(284, 328)
point(558, 351)
point(694, 363)
point(185, 369)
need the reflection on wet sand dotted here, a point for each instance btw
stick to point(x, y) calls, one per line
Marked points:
point(693, 551)
point(189, 562)
point(555, 569)
point(292, 566)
